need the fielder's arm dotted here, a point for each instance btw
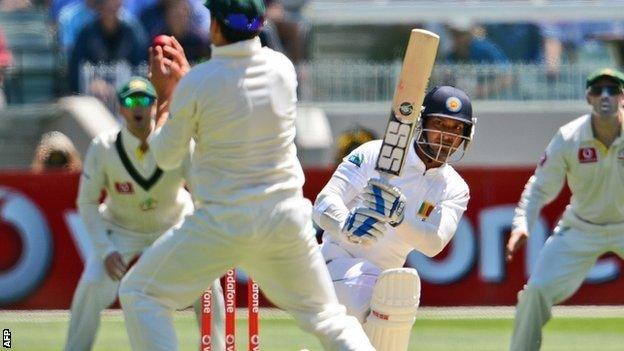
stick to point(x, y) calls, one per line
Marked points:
point(168, 64)
point(92, 181)
point(543, 187)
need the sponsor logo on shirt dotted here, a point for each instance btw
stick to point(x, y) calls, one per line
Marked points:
point(425, 210)
point(148, 204)
point(587, 155)
point(356, 159)
point(124, 188)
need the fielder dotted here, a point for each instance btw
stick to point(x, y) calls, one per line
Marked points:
point(142, 204)
point(240, 108)
point(589, 153)
point(372, 224)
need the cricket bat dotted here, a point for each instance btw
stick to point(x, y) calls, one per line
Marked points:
point(407, 101)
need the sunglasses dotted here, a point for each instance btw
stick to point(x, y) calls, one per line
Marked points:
point(241, 23)
point(609, 89)
point(133, 101)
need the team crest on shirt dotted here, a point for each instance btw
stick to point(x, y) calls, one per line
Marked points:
point(620, 155)
point(587, 155)
point(356, 159)
point(425, 210)
point(124, 188)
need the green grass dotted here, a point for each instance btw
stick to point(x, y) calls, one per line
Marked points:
point(434, 330)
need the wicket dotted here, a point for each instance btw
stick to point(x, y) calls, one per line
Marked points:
point(253, 306)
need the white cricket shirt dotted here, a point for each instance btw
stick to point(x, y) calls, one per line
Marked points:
point(435, 202)
point(594, 173)
point(140, 198)
point(240, 108)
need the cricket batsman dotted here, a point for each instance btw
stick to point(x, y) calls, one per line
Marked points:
point(372, 224)
point(239, 108)
point(142, 203)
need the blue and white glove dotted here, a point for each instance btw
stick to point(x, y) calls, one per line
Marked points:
point(385, 199)
point(364, 226)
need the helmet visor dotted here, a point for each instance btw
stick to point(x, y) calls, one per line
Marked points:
point(440, 146)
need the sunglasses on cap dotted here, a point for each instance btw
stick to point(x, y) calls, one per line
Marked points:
point(241, 23)
point(133, 101)
point(597, 90)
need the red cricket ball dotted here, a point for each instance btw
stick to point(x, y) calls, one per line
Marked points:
point(162, 40)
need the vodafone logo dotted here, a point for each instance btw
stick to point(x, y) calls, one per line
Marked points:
point(23, 225)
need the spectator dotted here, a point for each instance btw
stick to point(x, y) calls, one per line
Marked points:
point(107, 39)
point(55, 152)
point(74, 17)
point(564, 40)
point(468, 48)
point(520, 42)
point(154, 20)
point(5, 61)
point(57, 6)
point(291, 27)
point(177, 20)
point(14, 5)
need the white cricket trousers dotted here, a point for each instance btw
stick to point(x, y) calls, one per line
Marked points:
point(272, 240)
point(563, 264)
point(354, 279)
point(96, 291)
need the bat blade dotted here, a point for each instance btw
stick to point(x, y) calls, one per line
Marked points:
point(408, 98)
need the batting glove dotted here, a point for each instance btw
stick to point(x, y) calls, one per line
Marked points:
point(385, 199)
point(364, 226)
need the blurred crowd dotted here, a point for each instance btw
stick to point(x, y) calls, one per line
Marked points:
point(117, 33)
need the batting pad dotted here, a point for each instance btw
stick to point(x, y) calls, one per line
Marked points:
point(396, 296)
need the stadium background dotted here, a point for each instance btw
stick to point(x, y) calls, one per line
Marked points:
point(347, 75)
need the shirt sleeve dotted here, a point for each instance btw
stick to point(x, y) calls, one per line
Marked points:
point(187, 166)
point(92, 181)
point(431, 234)
point(170, 143)
point(544, 186)
point(348, 181)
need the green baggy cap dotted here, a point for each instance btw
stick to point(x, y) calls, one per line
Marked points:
point(605, 73)
point(136, 85)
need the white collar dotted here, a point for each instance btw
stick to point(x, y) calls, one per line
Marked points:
point(241, 48)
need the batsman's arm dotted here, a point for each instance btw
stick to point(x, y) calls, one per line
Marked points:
point(92, 181)
point(430, 233)
point(347, 182)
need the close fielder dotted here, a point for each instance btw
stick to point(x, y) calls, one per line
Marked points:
point(371, 224)
point(142, 204)
point(589, 153)
point(240, 108)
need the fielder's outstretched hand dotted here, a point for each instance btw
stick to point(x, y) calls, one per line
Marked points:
point(364, 226)
point(385, 199)
point(168, 64)
point(516, 240)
